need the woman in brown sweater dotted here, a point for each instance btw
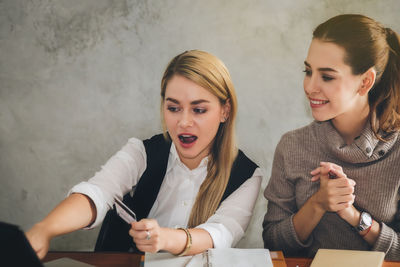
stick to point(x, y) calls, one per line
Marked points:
point(335, 183)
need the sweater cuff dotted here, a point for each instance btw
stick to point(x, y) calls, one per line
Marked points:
point(385, 239)
point(291, 234)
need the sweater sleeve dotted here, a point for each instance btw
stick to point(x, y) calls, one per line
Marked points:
point(389, 242)
point(279, 232)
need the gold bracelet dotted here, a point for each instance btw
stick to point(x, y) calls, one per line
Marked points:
point(188, 242)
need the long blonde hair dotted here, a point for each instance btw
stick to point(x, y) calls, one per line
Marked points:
point(210, 73)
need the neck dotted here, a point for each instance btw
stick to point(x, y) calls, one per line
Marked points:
point(191, 163)
point(194, 161)
point(351, 124)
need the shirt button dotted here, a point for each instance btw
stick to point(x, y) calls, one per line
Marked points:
point(368, 149)
point(381, 152)
point(185, 203)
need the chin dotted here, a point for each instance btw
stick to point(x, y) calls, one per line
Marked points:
point(321, 117)
point(187, 153)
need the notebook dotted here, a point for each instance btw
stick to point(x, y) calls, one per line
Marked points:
point(347, 258)
point(232, 257)
point(238, 257)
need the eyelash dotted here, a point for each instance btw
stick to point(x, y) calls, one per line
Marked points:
point(195, 110)
point(200, 110)
point(326, 78)
point(307, 72)
point(173, 109)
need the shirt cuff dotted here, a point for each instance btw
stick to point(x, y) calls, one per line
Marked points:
point(385, 239)
point(96, 195)
point(220, 235)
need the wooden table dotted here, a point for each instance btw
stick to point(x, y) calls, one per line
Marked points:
point(130, 259)
point(306, 262)
point(116, 259)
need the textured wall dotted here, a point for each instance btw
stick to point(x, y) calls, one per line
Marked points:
point(78, 78)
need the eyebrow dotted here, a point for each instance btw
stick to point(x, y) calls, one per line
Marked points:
point(195, 102)
point(320, 69)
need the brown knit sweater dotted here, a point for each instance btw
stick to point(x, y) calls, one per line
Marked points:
point(373, 164)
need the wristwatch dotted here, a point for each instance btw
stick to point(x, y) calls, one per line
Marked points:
point(365, 222)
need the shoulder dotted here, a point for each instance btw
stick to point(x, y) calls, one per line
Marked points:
point(154, 142)
point(242, 170)
point(298, 137)
point(146, 146)
point(295, 143)
point(243, 167)
point(156, 139)
point(243, 160)
point(299, 133)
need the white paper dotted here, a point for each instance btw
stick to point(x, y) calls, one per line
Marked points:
point(229, 257)
point(238, 257)
point(164, 259)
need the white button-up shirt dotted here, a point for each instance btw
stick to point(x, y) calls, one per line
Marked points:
point(176, 196)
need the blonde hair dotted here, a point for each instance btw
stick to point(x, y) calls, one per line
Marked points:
point(210, 73)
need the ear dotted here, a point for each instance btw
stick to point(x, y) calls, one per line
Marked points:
point(368, 81)
point(226, 109)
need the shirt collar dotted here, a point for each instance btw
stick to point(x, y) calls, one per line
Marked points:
point(174, 160)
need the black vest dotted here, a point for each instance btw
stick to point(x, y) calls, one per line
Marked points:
point(114, 235)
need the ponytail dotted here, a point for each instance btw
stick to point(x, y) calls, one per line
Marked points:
point(384, 98)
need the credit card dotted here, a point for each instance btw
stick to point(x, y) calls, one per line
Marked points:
point(124, 212)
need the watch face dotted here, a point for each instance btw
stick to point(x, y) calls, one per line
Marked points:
point(366, 218)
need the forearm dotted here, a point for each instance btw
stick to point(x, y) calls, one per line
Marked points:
point(177, 240)
point(73, 213)
point(352, 216)
point(307, 218)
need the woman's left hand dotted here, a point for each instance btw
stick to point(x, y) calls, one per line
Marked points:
point(148, 235)
point(333, 171)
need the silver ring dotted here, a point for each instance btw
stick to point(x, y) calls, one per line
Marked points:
point(148, 236)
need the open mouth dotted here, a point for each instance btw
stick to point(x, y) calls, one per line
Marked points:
point(187, 139)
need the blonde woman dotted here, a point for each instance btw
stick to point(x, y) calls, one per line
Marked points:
point(193, 189)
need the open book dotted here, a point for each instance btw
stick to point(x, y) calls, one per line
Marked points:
point(213, 257)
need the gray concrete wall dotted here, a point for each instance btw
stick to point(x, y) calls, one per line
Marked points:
point(78, 78)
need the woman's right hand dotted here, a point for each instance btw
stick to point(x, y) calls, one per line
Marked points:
point(335, 193)
point(39, 238)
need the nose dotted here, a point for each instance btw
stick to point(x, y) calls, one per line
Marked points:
point(186, 120)
point(311, 85)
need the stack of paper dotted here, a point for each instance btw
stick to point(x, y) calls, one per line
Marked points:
point(231, 257)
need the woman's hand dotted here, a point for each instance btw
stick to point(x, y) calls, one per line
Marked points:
point(39, 238)
point(148, 235)
point(336, 190)
point(335, 194)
